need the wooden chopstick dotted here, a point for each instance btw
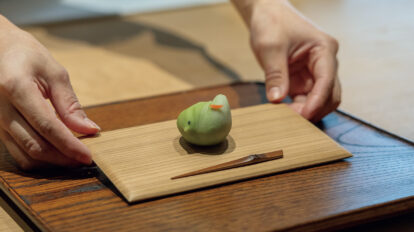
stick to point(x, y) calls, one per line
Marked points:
point(241, 162)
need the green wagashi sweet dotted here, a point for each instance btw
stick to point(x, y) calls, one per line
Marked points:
point(206, 123)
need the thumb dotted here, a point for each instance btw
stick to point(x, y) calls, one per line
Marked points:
point(68, 107)
point(275, 65)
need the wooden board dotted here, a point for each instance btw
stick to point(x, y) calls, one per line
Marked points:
point(141, 161)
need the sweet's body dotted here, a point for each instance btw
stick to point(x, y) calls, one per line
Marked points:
point(206, 123)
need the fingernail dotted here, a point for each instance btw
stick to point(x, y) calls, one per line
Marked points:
point(92, 123)
point(274, 93)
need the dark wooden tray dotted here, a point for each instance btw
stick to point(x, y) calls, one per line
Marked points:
point(377, 182)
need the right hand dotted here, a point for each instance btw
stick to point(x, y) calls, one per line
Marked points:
point(29, 126)
point(298, 59)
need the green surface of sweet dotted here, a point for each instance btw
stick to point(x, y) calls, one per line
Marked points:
point(204, 124)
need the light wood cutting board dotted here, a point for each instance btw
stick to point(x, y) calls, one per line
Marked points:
point(140, 161)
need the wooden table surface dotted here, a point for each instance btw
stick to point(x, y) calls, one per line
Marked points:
point(163, 52)
point(376, 183)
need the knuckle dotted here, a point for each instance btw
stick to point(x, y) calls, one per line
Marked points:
point(62, 75)
point(8, 85)
point(32, 148)
point(275, 74)
point(73, 106)
point(35, 150)
point(332, 42)
point(45, 127)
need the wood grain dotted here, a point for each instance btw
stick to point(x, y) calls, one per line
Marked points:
point(375, 183)
point(141, 160)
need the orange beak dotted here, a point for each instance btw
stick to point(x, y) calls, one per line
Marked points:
point(215, 107)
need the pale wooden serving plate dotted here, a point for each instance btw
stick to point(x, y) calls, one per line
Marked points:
point(140, 161)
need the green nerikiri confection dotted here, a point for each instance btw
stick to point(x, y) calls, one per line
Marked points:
point(206, 123)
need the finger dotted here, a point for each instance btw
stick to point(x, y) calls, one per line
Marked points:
point(30, 103)
point(28, 140)
point(298, 103)
point(323, 66)
point(274, 61)
point(66, 103)
point(297, 66)
point(329, 108)
point(332, 103)
point(301, 83)
point(23, 161)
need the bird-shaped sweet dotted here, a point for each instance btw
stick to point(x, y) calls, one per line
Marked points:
point(206, 123)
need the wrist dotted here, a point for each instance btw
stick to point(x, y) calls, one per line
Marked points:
point(247, 7)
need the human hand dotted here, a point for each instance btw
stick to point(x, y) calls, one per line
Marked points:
point(29, 126)
point(298, 59)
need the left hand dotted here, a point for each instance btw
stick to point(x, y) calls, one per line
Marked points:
point(36, 133)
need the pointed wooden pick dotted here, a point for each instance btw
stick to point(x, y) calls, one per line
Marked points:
point(241, 162)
